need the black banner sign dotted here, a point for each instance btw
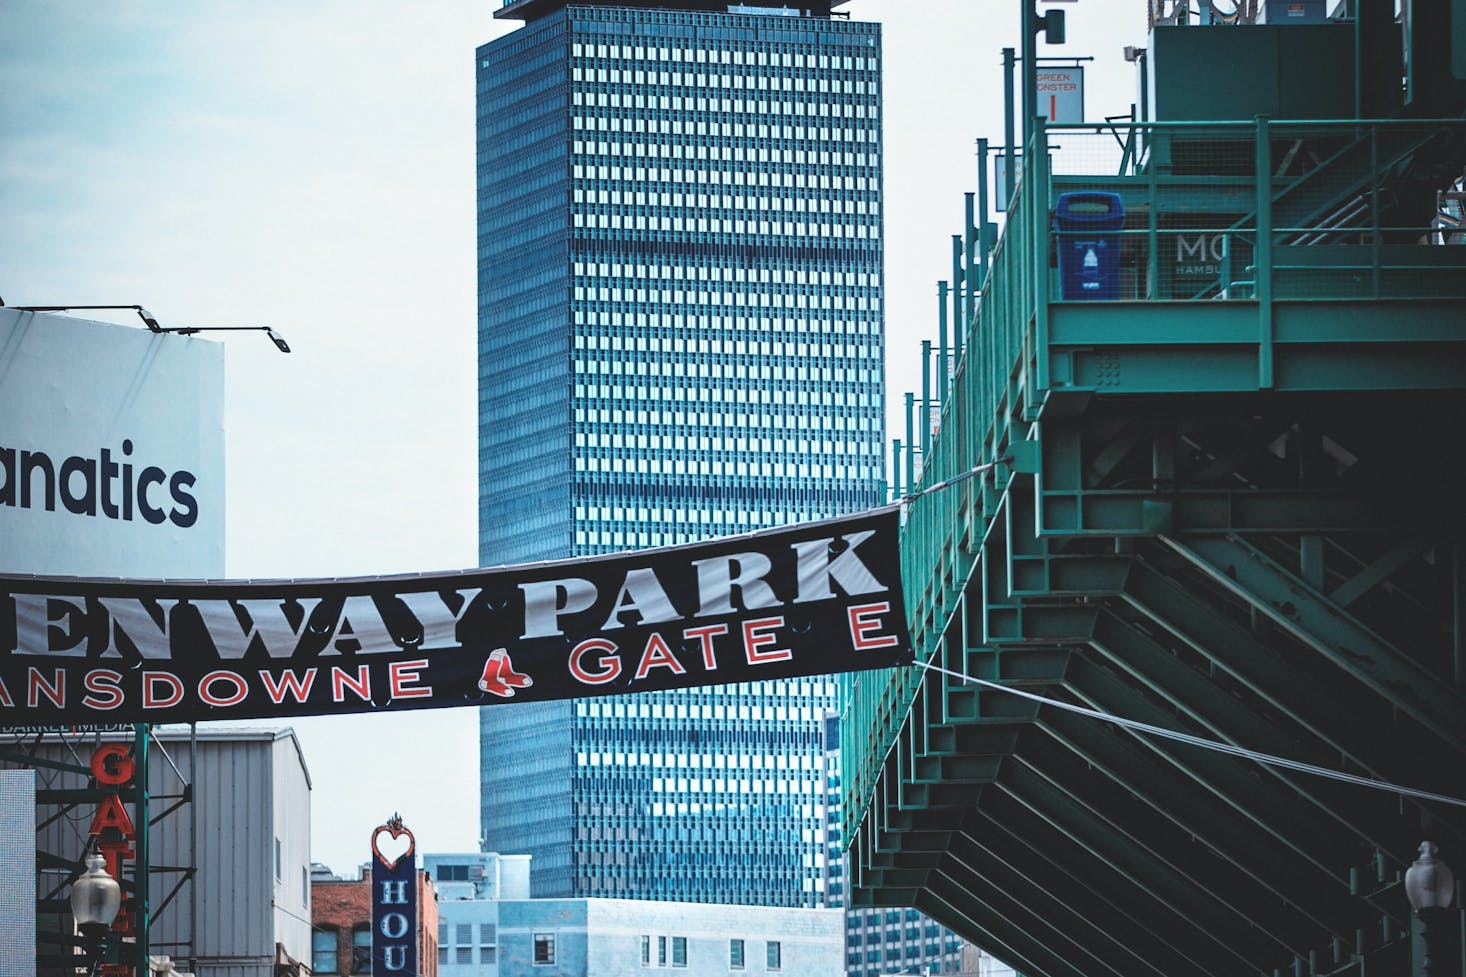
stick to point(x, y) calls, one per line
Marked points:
point(808, 600)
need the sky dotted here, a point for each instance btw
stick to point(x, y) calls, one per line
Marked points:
point(310, 166)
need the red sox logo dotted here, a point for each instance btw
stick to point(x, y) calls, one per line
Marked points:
point(500, 678)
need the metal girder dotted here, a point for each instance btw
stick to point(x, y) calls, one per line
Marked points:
point(1109, 852)
point(1040, 861)
point(1356, 812)
point(1284, 687)
point(939, 906)
point(975, 905)
point(1330, 630)
point(1266, 835)
point(1041, 915)
point(1380, 570)
point(1185, 830)
point(1093, 923)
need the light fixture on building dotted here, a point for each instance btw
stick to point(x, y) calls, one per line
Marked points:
point(275, 337)
point(147, 317)
point(96, 898)
point(154, 326)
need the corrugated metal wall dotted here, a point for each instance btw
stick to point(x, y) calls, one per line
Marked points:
point(18, 881)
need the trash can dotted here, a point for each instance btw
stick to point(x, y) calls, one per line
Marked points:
point(1087, 225)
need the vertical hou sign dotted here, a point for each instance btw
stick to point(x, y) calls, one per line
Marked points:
point(394, 899)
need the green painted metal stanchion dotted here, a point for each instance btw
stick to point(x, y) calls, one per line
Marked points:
point(982, 221)
point(942, 340)
point(970, 283)
point(910, 442)
point(1263, 255)
point(1036, 190)
point(959, 276)
point(1010, 149)
point(926, 403)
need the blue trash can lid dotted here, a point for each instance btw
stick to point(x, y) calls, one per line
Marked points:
point(1089, 203)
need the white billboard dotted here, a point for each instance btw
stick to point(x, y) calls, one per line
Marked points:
point(111, 450)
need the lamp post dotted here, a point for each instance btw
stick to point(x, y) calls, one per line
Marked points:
point(96, 899)
point(1429, 885)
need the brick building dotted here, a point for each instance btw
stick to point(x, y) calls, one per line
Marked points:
point(341, 926)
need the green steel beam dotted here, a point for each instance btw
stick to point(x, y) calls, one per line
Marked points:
point(1267, 834)
point(1330, 630)
point(954, 918)
point(1378, 571)
point(1341, 715)
point(1033, 958)
point(1039, 915)
point(1126, 910)
point(1111, 847)
point(1094, 924)
point(1185, 830)
point(1222, 716)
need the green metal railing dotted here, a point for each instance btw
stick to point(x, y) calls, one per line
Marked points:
point(1271, 212)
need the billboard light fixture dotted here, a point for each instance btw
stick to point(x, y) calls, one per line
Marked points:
point(275, 337)
point(151, 321)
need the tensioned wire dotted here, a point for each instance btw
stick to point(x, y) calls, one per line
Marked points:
point(1205, 744)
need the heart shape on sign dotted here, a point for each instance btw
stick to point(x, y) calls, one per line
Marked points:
point(392, 843)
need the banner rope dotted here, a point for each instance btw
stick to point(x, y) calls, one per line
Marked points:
point(1206, 744)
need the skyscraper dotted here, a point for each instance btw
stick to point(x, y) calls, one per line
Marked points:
point(680, 337)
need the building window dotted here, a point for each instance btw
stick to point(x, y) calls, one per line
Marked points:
point(646, 951)
point(463, 946)
point(679, 951)
point(774, 953)
point(661, 951)
point(544, 948)
point(488, 942)
point(323, 952)
point(305, 886)
point(442, 944)
point(735, 954)
point(361, 949)
point(279, 863)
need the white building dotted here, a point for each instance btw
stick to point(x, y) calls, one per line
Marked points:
point(489, 927)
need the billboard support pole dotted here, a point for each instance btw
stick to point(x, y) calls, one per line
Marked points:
point(142, 733)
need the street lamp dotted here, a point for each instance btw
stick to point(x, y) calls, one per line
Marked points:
point(96, 899)
point(1429, 885)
